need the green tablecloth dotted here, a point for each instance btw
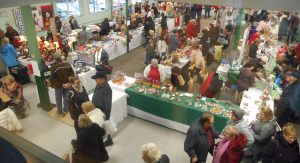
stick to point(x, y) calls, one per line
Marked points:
point(173, 110)
point(232, 76)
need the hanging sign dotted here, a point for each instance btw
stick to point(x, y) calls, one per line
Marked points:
point(19, 21)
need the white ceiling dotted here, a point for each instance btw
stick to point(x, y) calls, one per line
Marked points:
point(276, 5)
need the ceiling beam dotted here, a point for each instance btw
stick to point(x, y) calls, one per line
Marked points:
point(16, 3)
point(275, 5)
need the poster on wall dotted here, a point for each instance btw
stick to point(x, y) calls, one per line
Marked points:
point(19, 21)
point(37, 18)
point(47, 14)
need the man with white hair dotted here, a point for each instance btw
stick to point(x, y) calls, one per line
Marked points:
point(155, 71)
point(152, 154)
point(101, 56)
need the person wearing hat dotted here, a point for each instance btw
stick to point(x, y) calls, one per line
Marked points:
point(283, 112)
point(102, 98)
point(238, 121)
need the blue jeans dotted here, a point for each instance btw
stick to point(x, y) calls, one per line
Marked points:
point(61, 94)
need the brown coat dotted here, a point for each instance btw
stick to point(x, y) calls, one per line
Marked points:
point(60, 72)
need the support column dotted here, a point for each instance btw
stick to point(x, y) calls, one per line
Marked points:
point(238, 28)
point(127, 29)
point(35, 54)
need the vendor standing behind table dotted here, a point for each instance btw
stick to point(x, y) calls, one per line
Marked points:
point(83, 36)
point(73, 23)
point(246, 78)
point(253, 49)
point(101, 56)
point(105, 27)
point(102, 98)
point(155, 71)
point(200, 138)
point(9, 55)
point(59, 79)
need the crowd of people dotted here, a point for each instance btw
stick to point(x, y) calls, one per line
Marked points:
point(238, 142)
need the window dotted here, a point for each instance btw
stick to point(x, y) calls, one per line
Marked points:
point(96, 6)
point(134, 1)
point(118, 4)
point(67, 8)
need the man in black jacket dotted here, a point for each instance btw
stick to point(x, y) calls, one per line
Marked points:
point(102, 98)
point(200, 138)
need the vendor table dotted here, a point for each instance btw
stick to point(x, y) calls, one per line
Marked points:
point(121, 87)
point(119, 105)
point(171, 114)
point(251, 103)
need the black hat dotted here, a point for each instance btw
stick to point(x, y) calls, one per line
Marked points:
point(98, 75)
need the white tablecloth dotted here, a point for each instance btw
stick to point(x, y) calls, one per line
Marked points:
point(137, 40)
point(182, 63)
point(119, 105)
point(249, 103)
point(121, 87)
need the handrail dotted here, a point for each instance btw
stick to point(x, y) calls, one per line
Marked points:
point(30, 148)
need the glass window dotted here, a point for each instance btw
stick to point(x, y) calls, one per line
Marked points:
point(66, 8)
point(96, 6)
point(134, 1)
point(118, 4)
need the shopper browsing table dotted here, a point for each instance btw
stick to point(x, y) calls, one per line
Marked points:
point(230, 148)
point(102, 98)
point(76, 96)
point(59, 78)
point(200, 138)
point(284, 148)
point(246, 78)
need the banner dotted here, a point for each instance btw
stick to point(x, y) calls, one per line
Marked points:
point(19, 21)
point(37, 18)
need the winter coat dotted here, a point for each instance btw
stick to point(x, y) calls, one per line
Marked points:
point(164, 159)
point(150, 54)
point(60, 73)
point(191, 30)
point(295, 100)
point(234, 151)
point(102, 98)
point(90, 143)
point(163, 23)
point(279, 151)
point(173, 43)
point(262, 133)
point(74, 24)
point(196, 142)
point(76, 99)
point(244, 129)
point(253, 51)
point(9, 55)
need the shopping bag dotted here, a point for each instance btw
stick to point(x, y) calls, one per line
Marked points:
point(110, 126)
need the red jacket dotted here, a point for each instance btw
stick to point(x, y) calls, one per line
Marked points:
point(254, 37)
point(297, 50)
point(191, 30)
point(234, 151)
point(204, 88)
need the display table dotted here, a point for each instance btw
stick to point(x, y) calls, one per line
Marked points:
point(119, 105)
point(172, 114)
point(251, 103)
point(121, 87)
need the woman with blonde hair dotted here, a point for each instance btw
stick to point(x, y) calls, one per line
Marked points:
point(284, 147)
point(262, 130)
point(96, 115)
point(89, 146)
point(196, 61)
point(14, 91)
point(230, 148)
point(151, 154)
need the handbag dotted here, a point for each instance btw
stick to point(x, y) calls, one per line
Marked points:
point(110, 126)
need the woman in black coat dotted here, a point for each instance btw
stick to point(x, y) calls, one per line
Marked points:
point(89, 146)
point(76, 96)
point(284, 148)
